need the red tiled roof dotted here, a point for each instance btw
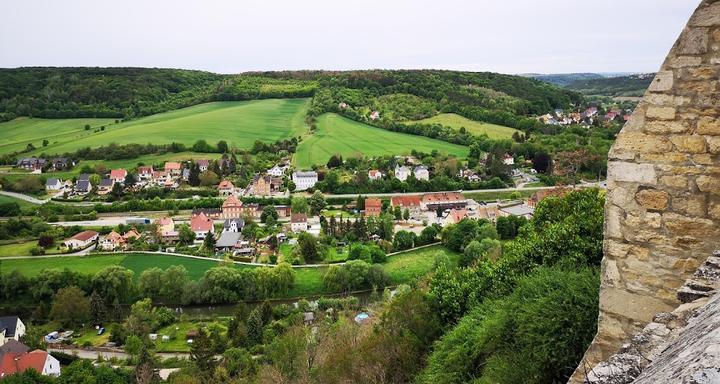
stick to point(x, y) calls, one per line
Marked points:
point(172, 165)
point(442, 196)
point(165, 221)
point(373, 203)
point(232, 202)
point(13, 362)
point(226, 184)
point(298, 218)
point(84, 235)
point(143, 170)
point(405, 201)
point(116, 174)
point(114, 237)
point(456, 215)
point(201, 223)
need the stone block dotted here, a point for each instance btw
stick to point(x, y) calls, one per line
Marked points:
point(660, 113)
point(708, 184)
point(674, 181)
point(707, 16)
point(689, 143)
point(641, 143)
point(613, 222)
point(680, 225)
point(685, 61)
point(693, 41)
point(708, 126)
point(665, 127)
point(632, 172)
point(713, 144)
point(703, 159)
point(693, 205)
point(662, 82)
point(652, 199)
point(632, 306)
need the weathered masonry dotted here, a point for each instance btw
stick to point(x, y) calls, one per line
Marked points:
point(662, 214)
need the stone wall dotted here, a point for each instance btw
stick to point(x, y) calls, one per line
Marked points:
point(662, 212)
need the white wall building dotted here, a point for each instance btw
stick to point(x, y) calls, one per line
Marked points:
point(421, 173)
point(402, 172)
point(304, 180)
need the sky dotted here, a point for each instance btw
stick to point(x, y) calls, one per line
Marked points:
point(224, 36)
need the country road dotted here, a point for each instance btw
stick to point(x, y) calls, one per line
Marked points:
point(24, 197)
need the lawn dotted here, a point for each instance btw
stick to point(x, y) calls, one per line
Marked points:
point(23, 249)
point(18, 133)
point(455, 121)
point(22, 203)
point(240, 123)
point(87, 264)
point(502, 195)
point(402, 268)
point(338, 135)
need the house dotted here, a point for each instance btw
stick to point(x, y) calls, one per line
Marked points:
point(40, 361)
point(455, 216)
point(232, 208)
point(277, 170)
point(61, 163)
point(304, 179)
point(421, 173)
point(53, 184)
point(443, 201)
point(31, 163)
point(13, 345)
point(252, 210)
point(228, 241)
point(283, 211)
point(508, 159)
point(118, 175)
point(233, 225)
point(373, 207)
point(81, 240)
point(213, 213)
point(226, 187)
point(174, 168)
point(203, 164)
point(374, 174)
point(111, 242)
point(105, 186)
point(82, 186)
point(83, 176)
point(523, 210)
point(185, 174)
point(374, 115)
point(11, 328)
point(487, 212)
point(131, 235)
point(469, 174)
point(402, 172)
point(265, 185)
point(166, 230)
point(202, 226)
point(298, 222)
point(409, 202)
point(145, 172)
point(161, 177)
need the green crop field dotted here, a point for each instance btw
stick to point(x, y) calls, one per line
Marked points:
point(240, 123)
point(455, 121)
point(338, 135)
point(402, 268)
point(15, 135)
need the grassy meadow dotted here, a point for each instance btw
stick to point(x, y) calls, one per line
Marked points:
point(402, 268)
point(338, 135)
point(456, 121)
point(240, 123)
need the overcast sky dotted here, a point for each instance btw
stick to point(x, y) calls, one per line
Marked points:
point(509, 36)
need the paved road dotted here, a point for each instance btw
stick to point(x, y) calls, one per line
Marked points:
point(95, 354)
point(21, 196)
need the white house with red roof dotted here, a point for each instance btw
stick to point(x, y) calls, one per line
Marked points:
point(298, 222)
point(202, 226)
point(145, 172)
point(174, 168)
point(374, 174)
point(81, 240)
point(118, 175)
point(18, 362)
point(226, 187)
point(203, 164)
point(508, 159)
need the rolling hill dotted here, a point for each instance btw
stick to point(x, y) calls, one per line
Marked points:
point(338, 135)
point(240, 123)
point(628, 86)
point(456, 121)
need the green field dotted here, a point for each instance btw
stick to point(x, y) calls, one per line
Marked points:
point(16, 134)
point(338, 135)
point(22, 203)
point(240, 123)
point(453, 120)
point(402, 268)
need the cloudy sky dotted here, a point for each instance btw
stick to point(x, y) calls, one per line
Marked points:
point(509, 36)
